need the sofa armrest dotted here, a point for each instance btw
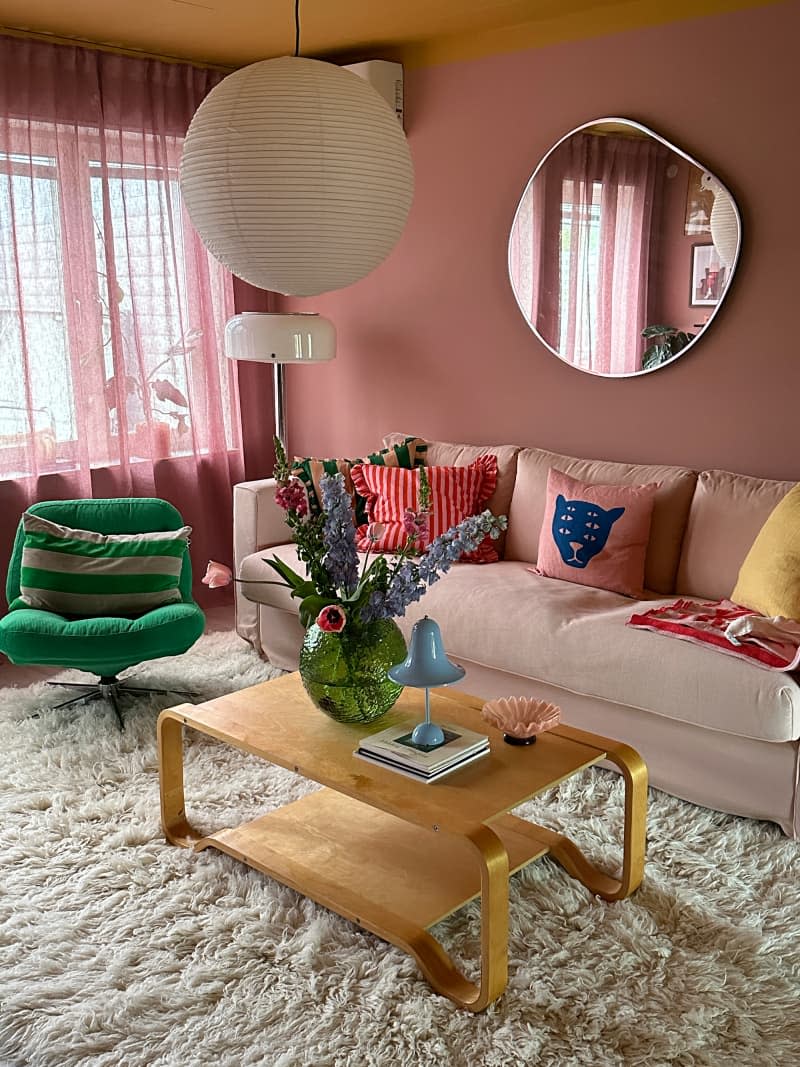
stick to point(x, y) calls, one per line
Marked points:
point(258, 523)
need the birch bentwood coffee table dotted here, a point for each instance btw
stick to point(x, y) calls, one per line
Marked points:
point(388, 853)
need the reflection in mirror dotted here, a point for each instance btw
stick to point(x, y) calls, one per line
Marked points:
point(622, 249)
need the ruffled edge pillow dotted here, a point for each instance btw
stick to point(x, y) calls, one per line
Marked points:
point(456, 493)
point(595, 535)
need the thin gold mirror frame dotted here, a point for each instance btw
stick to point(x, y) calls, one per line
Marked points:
point(700, 252)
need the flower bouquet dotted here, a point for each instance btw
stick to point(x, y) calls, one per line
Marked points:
point(348, 607)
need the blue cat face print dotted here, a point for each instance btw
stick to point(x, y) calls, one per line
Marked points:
point(581, 529)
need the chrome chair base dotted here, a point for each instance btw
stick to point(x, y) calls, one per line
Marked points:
point(110, 689)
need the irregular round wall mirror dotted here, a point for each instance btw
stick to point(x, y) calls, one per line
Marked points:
point(622, 249)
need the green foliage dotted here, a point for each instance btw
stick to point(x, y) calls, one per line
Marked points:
point(282, 470)
point(668, 343)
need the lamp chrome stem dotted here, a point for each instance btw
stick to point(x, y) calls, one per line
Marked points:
point(279, 389)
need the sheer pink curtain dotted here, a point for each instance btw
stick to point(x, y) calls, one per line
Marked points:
point(113, 380)
point(601, 203)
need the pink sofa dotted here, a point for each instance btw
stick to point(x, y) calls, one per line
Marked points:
point(713, 729)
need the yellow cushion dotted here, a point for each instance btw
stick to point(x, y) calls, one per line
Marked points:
point(769, 578)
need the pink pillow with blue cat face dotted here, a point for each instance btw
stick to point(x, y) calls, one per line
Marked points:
point(595, 534)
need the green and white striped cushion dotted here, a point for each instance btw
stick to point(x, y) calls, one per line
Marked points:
point(80, 572)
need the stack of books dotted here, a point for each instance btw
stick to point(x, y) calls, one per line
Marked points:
point(394, 749)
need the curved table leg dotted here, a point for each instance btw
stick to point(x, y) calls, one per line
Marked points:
point(435, 963)
point(177, 828)
point(573, 860)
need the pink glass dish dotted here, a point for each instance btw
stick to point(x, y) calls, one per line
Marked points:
point(521, 718)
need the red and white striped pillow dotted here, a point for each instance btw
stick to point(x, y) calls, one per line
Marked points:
point(456, 493)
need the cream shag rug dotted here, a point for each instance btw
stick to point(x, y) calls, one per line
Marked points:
point(119, 950)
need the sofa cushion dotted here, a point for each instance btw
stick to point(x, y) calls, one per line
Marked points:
point(727, 512)
point(670, 507)
point(596, 534)
point(576, 638)
point(446, 454)
point(105, 645)
point(769, 578)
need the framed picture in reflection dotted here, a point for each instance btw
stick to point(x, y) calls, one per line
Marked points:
point(699, 203)
point(708, 276)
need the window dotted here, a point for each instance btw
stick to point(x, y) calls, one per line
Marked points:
point(583, 226)
point(580, 252)
point(111, 312)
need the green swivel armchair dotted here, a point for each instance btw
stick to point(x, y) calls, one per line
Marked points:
point(102, 645)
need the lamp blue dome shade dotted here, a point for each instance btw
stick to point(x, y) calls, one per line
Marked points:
point(426, 664)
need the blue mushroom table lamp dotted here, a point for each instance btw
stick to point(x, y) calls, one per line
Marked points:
point(426, 665)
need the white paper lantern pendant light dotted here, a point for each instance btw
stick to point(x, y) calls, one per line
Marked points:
point(297, 175)
point(724, 221)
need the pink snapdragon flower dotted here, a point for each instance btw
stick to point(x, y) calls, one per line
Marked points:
point(217, 575)
point(332, 619)
point(415, 523)
point(376, 530)
point(292, 497)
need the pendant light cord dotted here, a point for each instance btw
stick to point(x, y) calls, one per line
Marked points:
point(296, 28)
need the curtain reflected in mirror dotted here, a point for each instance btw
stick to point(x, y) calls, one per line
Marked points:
point(603, 254)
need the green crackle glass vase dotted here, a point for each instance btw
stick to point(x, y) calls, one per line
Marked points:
point(345, 673)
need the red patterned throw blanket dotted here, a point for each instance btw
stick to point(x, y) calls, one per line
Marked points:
point(736, 631)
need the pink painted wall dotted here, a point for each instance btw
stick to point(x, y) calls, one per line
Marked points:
point(433, 343)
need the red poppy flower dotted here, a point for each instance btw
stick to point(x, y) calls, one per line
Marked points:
point(331, 619)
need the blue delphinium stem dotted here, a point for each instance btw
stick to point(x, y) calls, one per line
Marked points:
point(339, 534)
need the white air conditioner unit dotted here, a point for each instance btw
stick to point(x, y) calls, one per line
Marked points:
point(385, 78)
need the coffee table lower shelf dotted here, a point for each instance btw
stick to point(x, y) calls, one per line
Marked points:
point(397, 880)
point(366, 865)
point(393, 878)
